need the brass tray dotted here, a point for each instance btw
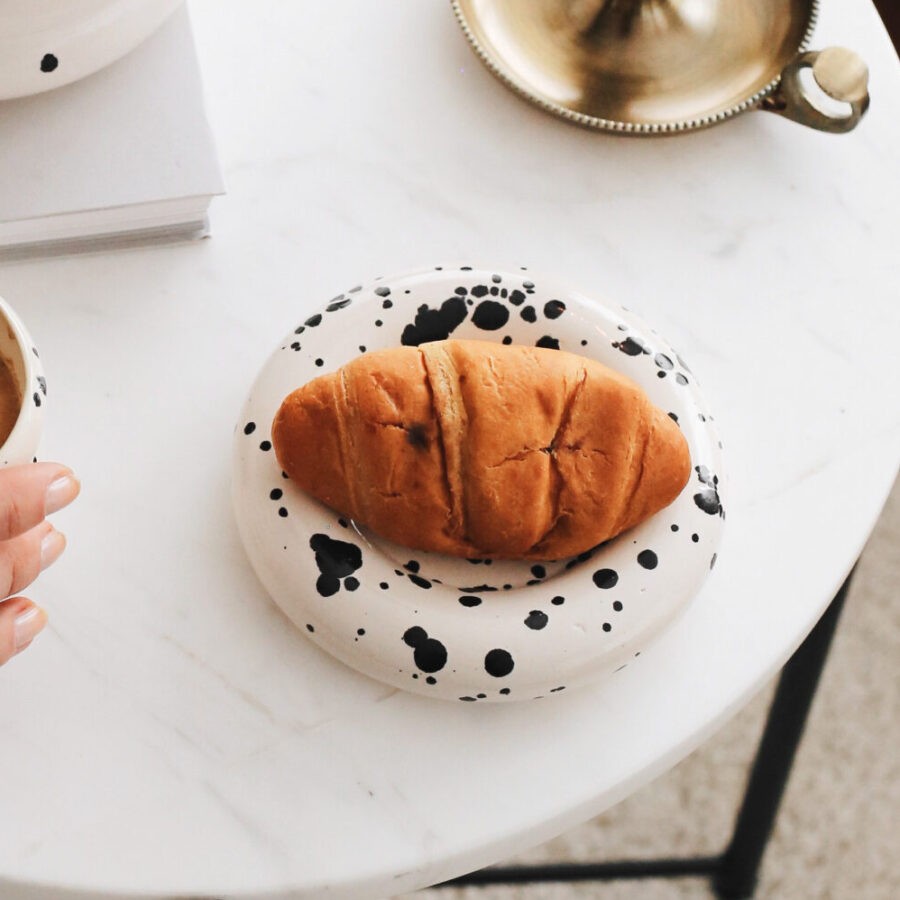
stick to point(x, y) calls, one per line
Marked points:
point(667, 66)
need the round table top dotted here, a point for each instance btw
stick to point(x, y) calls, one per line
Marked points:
point(171, 732)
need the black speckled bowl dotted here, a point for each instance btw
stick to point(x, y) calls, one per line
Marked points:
point(460, 629)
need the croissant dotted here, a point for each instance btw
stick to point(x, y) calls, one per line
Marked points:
point(477, 449)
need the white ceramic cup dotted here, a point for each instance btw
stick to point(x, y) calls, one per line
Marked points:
point(17, 348)
point(45, 44)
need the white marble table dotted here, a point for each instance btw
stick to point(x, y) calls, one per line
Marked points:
point(171, 734)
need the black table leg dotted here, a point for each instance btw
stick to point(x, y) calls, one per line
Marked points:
point(734, 874)
point(737, 874)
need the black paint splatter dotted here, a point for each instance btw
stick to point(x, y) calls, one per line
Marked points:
point(631, 346)
point(708, 499)
point(415, 636)
point(648, 559)
point(536, 620)
point(709, 502)
point(664, 362)
point(550, 343)
point(553, 309)
point(606, 578)
point(470, 601)
point(434, 324)
point(490, 315)
point(430, 655)
point(335, 560)
point(49, 62)
point(498, 663)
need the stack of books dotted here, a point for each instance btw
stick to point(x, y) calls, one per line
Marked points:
point(123, 157)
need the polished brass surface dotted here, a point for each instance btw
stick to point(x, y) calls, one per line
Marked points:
point(645, 66)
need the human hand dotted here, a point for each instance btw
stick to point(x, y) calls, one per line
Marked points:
point(28, 544)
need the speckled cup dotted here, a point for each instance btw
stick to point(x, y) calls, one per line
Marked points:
point(17, 348)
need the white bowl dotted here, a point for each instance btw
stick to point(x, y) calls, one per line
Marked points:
point(17, 348)
point(45, 44)
point(475, 630)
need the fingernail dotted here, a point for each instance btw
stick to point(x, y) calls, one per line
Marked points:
point(27, 626)
point(61, 493)
point(52, 546)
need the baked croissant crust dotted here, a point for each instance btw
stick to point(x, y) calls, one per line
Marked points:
point(477, 449)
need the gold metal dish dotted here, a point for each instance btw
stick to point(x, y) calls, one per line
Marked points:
point(664, 66)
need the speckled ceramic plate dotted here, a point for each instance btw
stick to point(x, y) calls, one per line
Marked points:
point(474, 630)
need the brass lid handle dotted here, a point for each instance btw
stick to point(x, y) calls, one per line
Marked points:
point(839, 73)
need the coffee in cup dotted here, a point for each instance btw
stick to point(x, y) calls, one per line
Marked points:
point(23, 391)
point(10, 400)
